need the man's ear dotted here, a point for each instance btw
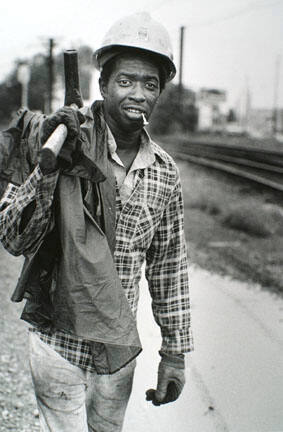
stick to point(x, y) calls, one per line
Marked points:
point(102, 88)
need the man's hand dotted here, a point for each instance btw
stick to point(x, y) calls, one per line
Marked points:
point(72, 119)
point(171, 380)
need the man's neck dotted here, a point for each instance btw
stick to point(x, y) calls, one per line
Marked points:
point(125, 140)
point(127, 145)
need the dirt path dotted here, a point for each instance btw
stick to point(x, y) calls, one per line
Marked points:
point(234, 381)
point(17, 407)
point(234, 378)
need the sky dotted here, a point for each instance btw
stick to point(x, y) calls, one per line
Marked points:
point(232, 45)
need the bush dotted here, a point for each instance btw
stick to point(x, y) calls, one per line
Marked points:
point(174, 113)
point(205, 204)
point(251, 220)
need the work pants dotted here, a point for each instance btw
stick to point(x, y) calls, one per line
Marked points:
point(70, 399)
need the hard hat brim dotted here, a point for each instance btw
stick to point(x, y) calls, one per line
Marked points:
point(106, 53)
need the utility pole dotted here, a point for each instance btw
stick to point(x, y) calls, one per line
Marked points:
point(23, 76)
point(50, 64)
point(182, 31)
point(247, 106)
point(276, 91)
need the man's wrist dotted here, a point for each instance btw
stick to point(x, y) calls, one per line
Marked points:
point(174, 360)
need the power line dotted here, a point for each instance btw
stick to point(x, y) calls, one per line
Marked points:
point(151, 7)
point(249, 8)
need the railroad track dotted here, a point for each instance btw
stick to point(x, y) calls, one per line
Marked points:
point(258, 165)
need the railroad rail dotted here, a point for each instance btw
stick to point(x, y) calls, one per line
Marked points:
point(258, 165)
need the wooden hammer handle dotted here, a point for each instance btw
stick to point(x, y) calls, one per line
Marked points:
point(53, 145)
point(56, 140)
point(50, 150)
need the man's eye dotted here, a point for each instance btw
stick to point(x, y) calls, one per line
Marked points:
point(124, 82)
point(151, 86)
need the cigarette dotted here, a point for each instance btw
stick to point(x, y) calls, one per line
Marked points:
point(145, 122)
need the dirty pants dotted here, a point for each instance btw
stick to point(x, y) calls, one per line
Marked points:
point(70, 399)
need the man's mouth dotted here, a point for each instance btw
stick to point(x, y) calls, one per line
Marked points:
point(135, 110)
point(137, 114)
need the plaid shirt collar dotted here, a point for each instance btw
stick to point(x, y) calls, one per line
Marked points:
point(144, 158)
point(148, 150)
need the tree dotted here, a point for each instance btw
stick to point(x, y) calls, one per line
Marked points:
point(10, 89)
point(172, 114)
point(37, 92)
point(231, 116)
point(10, 96)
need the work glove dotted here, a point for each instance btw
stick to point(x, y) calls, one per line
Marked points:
point(72, 119)
point(171, 380)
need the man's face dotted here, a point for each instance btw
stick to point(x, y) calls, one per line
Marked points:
point(132, 89)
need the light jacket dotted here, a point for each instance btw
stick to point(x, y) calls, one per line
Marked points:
point(70, 281)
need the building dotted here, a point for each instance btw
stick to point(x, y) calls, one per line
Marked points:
point(211, 109)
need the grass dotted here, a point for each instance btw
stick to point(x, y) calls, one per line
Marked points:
point(233, 227)
point(234, 210)
point(255, 220)
point(241, 216)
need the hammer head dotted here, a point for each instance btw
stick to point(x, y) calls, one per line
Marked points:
point(72, 82)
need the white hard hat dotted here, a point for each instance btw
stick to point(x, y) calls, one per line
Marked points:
point(137, 31)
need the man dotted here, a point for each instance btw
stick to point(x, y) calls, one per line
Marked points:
point(113, 193)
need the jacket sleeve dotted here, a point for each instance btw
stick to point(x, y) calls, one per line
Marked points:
point(167, 275)
point(37, 193)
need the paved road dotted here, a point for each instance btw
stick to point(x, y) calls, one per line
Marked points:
point(235, 375)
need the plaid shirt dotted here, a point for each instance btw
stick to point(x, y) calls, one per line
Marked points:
point(15, 200)
point(149, 227)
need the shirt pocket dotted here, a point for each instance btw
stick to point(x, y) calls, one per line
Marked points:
point(140, 218)
point(148, 222)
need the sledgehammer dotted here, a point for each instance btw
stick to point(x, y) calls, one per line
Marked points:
point(53, 145)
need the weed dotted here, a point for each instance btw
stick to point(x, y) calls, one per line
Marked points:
point(250, 219)
point(205, 204)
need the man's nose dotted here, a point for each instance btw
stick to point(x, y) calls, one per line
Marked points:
point(137, 93)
